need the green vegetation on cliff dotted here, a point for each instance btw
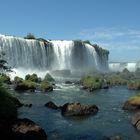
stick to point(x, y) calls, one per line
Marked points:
point(29, 36)
point(45, 86)
point(8, 104)
point(5, 79)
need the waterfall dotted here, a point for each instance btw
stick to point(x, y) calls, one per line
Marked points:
point(51, 55)
point(62, 54)
point(121, 66)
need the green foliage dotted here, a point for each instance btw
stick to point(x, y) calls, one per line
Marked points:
point(5, 79)
point(29, 84)
point(134, 100)
point(29, 36)
point(134, 84)
point(45, 86)
point(25, 85)
point(8, 106)
point(32, 77)
point(137, 84)
point(116, 80)
point(18, 80)
point(49, 78)
point(91, 82)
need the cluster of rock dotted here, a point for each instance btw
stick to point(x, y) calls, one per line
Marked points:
point(13, 128)
point(31, 83)
point(133, 104)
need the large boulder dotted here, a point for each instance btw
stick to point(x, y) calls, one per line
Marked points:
point(49, 78)
point(132, 103)
point(136, 121)
point(25, 129)
point(77, 109)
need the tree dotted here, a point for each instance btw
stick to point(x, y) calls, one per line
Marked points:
point(29, 36)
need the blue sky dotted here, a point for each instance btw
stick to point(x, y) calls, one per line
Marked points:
point(113, 24)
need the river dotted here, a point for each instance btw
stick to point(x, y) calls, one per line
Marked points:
point(110, 120)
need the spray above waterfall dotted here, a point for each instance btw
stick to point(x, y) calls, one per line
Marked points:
point(52, 55)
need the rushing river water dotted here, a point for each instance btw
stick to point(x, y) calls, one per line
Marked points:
point(110, 120)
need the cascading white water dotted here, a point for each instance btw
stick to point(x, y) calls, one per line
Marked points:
point(62, 54)
point(51, 55)
point(121, 66)
point(21, 53)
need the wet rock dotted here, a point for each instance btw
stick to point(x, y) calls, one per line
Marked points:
point(51, 105)
point(128, 106)
point(49, 78)
point(105, 87)
point(68, 82)
point(25, 129)
point(136, 121)
point(28, 105)
point(77, 109)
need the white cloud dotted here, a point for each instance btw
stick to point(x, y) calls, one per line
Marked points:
point(108, 33)
point(113, 38)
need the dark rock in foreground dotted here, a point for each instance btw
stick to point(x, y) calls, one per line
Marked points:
point(51, 105)
point(25, 129)
point(136, 121)
point(77, 109)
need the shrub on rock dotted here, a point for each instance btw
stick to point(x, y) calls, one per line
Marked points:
point(32, 77)
point(25, 85)
point(45, 86)
point(5, 79)
point(132, 103)
point(91, 83)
